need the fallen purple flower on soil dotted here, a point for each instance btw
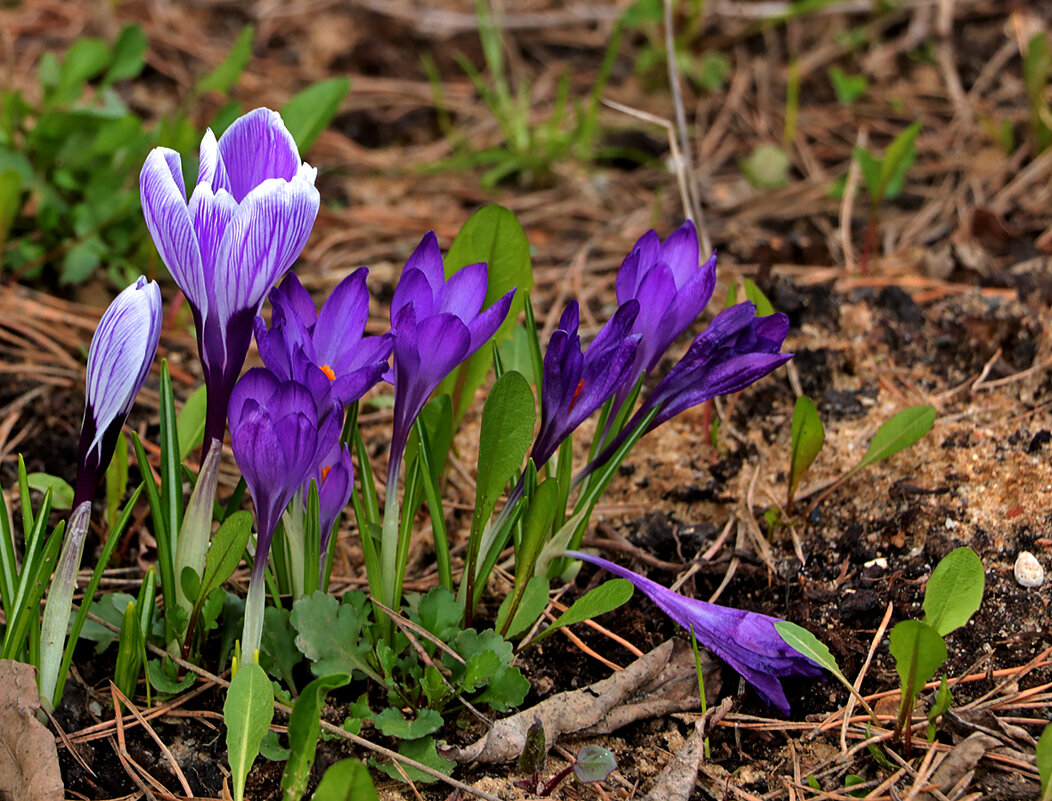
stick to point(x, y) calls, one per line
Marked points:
point(244, 225)
point(747, 641)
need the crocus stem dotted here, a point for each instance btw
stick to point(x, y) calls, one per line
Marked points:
point(294, 538)
point(59, 600)
point(389, 546)
point(254, 603)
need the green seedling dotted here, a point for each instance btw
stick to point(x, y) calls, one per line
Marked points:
point(346, 780)
point(708, 72)
point(1044, 762)
point(591, 764)
point(847, 88)
point(884, 177)
point(247, 713)
point(304, 731)
point(1037, 62)
point(953, 594)
point(808, 435)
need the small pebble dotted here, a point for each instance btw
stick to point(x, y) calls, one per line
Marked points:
point(1028, 571)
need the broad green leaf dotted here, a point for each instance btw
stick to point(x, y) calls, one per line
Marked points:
point(82, 260)
point(330, 633)
point(304, 728)
point(277, 653)
point(919, 651)
point(392, 723)
point(898, 433)
point(223, 77)
point(539, 517)
point(61, 491)
point(247, 712)
point(440, 613)
point(190, 583)
point(848, 88)
point(494, 236)
point(224, 554)
point(85, 59)
point(128, 53)
point(308, 113)
point(505, 690)
point(806, 440)
point(190, 422)
point(607, 596)
point(422, 751)
point(954, 591)
point(753, 293)
point(163, 683)
point(270, 747)
point(594, 763)
point(1044, 762)
point(346, 780)
point(897, 160)
point(531, 606)
point(800, 639)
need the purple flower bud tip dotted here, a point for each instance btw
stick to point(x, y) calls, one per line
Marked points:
point(437, 325)
point(278, 442)
point(121, 352)
point(747, 641)
point(245, 224)
point(575, 384)
point(325, 351)
point(671, 288)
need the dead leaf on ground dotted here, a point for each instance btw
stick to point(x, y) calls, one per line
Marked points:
point(566, 712)
point(676, 780)
point(955, 771)
point(29, 768)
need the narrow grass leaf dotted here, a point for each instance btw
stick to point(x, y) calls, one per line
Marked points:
point(308, 113)
point(954, 591)
point(190, 422)
point(223, 77)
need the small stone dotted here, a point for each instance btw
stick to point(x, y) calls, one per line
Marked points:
point(1028, 571)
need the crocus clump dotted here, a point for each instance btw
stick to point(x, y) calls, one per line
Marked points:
point(278, 442)
point(121, 353)
point(326, 351)
point(747, 641)
point(672, 290)
point(437, 325)
point(246, 222)
point(575, 384)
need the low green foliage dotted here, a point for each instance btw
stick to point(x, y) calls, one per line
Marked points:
point(1044, 762)
point(806, 439)
point(848, 88)
point(1037, 63)
point(247, 712)
point(884, 176)
point(346, 780)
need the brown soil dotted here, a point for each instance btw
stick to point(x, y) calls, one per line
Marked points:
point(952, 308)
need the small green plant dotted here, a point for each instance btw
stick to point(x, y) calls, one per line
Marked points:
point(529, 149)
point(708, 72)
point(953, 594)
point(848, 88)
point(884, 177)
point(591, 764)
point(806, 439)
point(1037, 62)
point(1044, 762)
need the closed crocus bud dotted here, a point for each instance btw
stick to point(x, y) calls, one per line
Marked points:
point(120, 356)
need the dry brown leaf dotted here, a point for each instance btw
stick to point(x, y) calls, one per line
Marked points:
point(566, 712)
point(959, 763)
point(29, 768)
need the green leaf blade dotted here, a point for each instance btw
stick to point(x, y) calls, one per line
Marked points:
point(954, 591)
point(309, 112)
point(247, 712)
point(304, 730)
point(808, 436)
point(898, 433)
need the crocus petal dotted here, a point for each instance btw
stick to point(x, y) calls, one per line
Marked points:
point(681, 252)
point(257, 146)
point(342, 318)
point(486, 324)
point(427, 258)
point(294, 301)
point(255, 387)
point(263, 239)
point(210, 214)
point(168, 219)
point(413, 289)
point(643, 254)
point(210, 169)
point(747, 641)
point(464, 292)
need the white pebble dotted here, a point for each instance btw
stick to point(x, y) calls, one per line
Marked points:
point(1028, 571)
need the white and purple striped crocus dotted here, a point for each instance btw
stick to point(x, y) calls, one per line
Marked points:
point(672, 291)
point(575, 384)
point(119, 359)
point(121, 353)
point(326, 351)
point(437, 325)
point(747, 641)
point(278, 442)
point(245, 223)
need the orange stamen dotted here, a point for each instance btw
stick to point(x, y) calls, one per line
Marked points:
point(325, 473)
point(330, 374)
point(576, 392)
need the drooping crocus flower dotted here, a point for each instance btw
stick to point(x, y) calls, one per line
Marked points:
point(245, 224)
point(121, 352)
point(324, 351)
point(735, 350)
point(671, 289)
point(575, 384)
point(747, 641)
point(334, 476)
point(278, 441)
point(437, 325)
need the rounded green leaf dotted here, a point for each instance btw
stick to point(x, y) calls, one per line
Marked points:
point(594, 763)
point(347, 780)
point(954, 591)
point(919, 651)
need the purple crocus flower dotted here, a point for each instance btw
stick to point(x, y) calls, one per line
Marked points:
point(245, 224)
point(121, 352)
point(334, 476)
point(575, 384)
point(735, 350)
point(671, 289)
point(437, 325)
point(278, 442)
point(747, 641)
point(324, 351)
